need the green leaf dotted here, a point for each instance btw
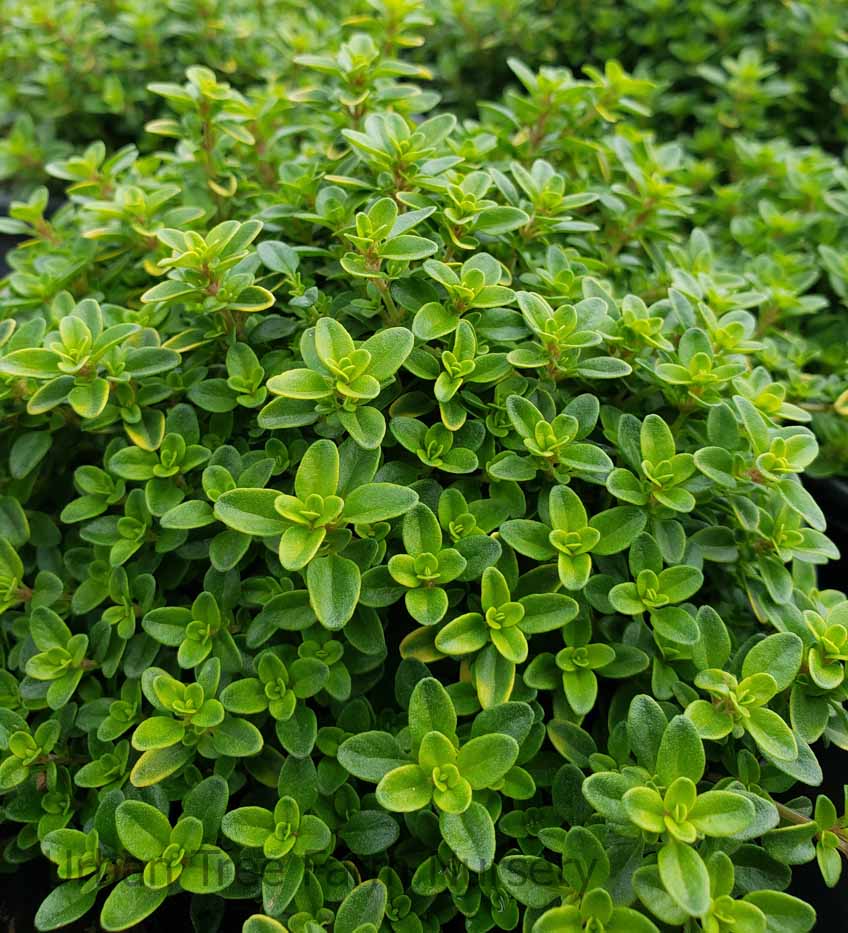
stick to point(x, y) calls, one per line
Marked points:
point(128, 903)
point(47, 629)
point(157, 732)
point(207, 801)
point(531, 880)
point(619, 528)
point(253, 298)
point(464, 635)
point(486, 759)
point(143, 830)
point(133, 463)
point(207, 871)
point(377, 502)
point(297, 734)
point(407, 247)
point(421, 531)
point(605, 791)
point(318, 472)
point(27, 451)
point(523, 414)
point(365, 904)
point(404, 789)
point(299, 545)
point(717, 464)
point(89, 400)
point(624, 485)
point(679, 583)
point(645, 808)
point(250, 511)
point(35, 363)
point(684, 875)
point(471, 836)
point(278, 257)
point(368, 832)
point(300, 384)
point(371, 755)
point(245, 697)
point(227, 548)
point(389, 350)
point(494, 677)
point(430, 710)
point(784, 913)
point(366, 425)
point(529, 538)
point(560, 920)
point(433, 320)
point(499, 220)
point(545, 612)
point(11, 565)
point(169, 290)
point(603, 367)
point(624, 597)
point(656, 439)
point(333, 583)
point(248, 826)
point(193, 514)
point(427, 605)
point(281, 885)
point(65, 904)
point(778, 655)
point(709, 722)
point(213, 395)
point(50, 394)
point(772, 734)
point(680, 753)
point(650, 891)
point(675, 625)
point(259, 923)
point(237, 738)
point(646, 725)
point(721, 813)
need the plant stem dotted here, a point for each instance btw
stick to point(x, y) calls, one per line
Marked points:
point(393, 316)
point(798, 819)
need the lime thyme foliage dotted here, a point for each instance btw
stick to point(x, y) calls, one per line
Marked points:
point(401, 510)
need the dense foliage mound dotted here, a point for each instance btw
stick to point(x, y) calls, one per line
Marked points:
point(401, 511)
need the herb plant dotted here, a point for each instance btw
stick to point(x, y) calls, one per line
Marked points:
point(403, 519)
